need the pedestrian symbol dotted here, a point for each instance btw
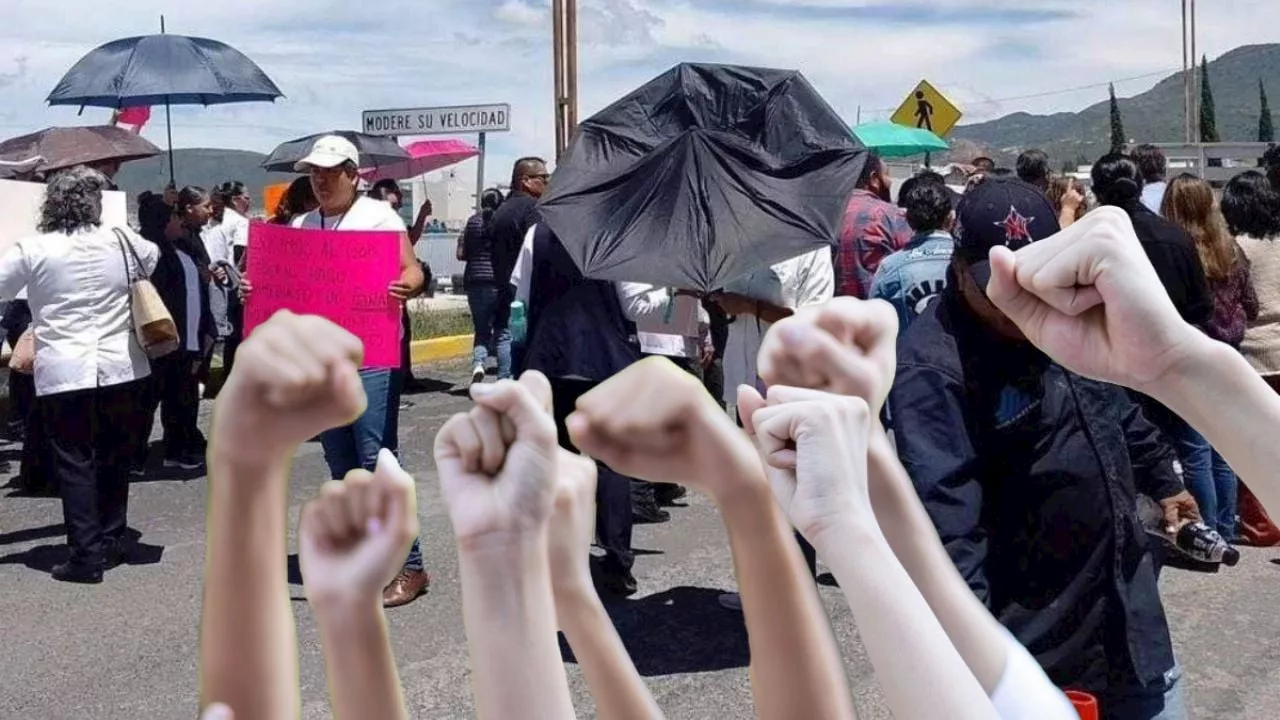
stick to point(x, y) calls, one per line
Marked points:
point(927, 109)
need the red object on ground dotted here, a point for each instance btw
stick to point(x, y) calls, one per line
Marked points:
point(425, 156)
point(1256, 526)
point(1084, 703)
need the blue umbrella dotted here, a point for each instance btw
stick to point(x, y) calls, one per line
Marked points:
point(163, 70)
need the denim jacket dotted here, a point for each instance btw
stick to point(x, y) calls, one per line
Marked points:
point(910, 278)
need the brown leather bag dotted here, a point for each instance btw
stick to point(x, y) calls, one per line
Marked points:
point(152, 322)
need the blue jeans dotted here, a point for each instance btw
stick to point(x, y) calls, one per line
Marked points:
point(357, 445)
point(484, 301)
point(1209, 479)
point(1162, 701)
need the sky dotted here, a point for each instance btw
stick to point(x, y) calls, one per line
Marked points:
point(335, 58)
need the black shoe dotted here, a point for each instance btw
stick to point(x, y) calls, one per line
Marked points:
point(668, 493)
point(619, 585)
point(73, 572)
point(649, 515)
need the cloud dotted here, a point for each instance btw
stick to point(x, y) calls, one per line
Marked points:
point(335, 58)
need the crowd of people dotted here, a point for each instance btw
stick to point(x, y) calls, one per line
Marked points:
point(1045, 355)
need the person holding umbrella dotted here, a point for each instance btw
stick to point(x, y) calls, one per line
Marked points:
point(333, 165)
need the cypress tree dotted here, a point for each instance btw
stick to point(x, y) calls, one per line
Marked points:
point(1266, 131)
point(1208, 117)
point(1118, 140)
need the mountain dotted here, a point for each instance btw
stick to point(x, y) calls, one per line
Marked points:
point(1153, 116)
point(206, 167)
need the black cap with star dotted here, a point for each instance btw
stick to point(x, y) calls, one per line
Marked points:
point(1000, 211)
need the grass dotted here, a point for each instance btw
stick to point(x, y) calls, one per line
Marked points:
point(442, 322)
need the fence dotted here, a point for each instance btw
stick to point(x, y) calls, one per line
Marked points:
point(437, 251)
point(1215, 162)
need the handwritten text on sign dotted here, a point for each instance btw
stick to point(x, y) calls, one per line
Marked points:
point(341, 275)
point(438, 120)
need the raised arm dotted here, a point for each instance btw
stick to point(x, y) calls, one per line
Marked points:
point(655, 422)
point(295, 377)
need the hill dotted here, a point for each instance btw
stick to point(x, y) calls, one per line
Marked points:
point(1153, 116)
point(205, 167)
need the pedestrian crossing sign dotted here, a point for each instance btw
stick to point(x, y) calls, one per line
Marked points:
point(926, 108)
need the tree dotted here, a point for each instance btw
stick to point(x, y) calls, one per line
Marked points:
point(1118, 140)
point(1208, 117)
point(1266, 131)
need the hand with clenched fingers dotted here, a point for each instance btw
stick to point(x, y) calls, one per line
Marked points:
point(353, 537)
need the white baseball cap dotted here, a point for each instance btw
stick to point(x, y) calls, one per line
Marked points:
point(329, 151)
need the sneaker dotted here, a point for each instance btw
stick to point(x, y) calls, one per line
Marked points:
point(731, 601)
point(477, 374)
point(137, 472)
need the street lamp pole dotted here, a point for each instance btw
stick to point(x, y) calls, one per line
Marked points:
point(1186, 81)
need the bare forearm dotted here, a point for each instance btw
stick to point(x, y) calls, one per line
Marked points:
point(509, 614)
point(1221, 396)
point(911, 535)
point(363, 681)
point(906, 643)
point(618, 690)
point(797, 670)
point(248, 648)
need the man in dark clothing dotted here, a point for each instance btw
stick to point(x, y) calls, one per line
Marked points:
point(510, 224)
point(1031, 475)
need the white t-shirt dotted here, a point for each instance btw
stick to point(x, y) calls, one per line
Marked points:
point(221, 239)
point(799, 282)
point(365, 214)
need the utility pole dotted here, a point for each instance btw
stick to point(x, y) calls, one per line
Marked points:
point(564, 28)
point(1195, 80)
point(1186, 81)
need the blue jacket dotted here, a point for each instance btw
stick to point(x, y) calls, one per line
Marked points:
point(912, 277)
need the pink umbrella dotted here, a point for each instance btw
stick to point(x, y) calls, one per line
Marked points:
point(425, 156)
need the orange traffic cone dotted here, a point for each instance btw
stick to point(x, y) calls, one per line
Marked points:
point(1084, 703)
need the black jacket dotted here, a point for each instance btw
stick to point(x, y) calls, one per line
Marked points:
point(1030, 474)
point(510, 222)
point(170, 282)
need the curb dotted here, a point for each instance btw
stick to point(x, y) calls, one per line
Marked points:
point(453, 347)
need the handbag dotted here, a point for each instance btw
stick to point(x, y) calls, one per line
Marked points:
point(152, 323)
point(23, 358)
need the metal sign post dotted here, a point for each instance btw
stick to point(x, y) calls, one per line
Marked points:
point(480, 171)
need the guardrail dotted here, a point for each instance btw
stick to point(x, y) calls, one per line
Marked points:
point(1228, 159)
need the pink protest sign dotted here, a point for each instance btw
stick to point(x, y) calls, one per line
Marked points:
point(342, 275)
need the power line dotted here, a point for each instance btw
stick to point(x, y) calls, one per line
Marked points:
point(1051, 93)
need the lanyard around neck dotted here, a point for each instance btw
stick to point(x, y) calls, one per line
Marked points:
point(341, 217)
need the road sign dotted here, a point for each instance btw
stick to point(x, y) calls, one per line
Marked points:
point(456, 120)
point(926, 108)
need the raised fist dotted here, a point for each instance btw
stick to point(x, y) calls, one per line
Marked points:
point(497, 463)
point(353, 538)
point(656, 422)
point(296, 376)
point(814, 446)
point(846, 347)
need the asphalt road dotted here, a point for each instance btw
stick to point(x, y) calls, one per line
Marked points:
point(126, 649)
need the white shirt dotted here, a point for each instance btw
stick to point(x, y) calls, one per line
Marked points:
point(365, 214)
point(79, 292)
point(799, 282)
point(639, 301)
point(191, 281)
point(220, 239)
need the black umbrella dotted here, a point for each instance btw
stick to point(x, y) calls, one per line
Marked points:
point(374, 151)
point(163, 70)
point(702, 176)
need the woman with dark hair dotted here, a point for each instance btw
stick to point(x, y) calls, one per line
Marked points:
point(88, 362)
point(1251, 207)
point(174, 386)
point(1189, 203)
point(1117, 182)
point(182, 278)
point(299, 199)
point(475, 246)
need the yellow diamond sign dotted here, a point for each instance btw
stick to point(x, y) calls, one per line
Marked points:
point(926, 108)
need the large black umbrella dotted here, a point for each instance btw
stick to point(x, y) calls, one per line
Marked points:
point(374, 151)
point(64, 147)
point(163, 70)
point(702, 176)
